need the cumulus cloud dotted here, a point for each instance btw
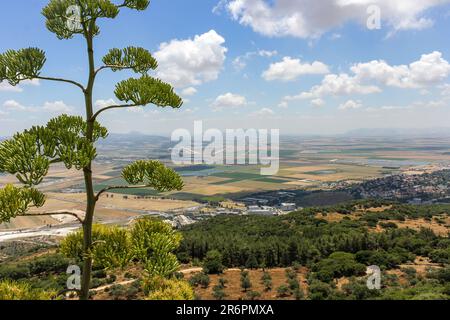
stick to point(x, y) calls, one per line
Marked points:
point(312, 18)
point(190, 91)
point(264, 112)
point(14, 105)
point(241, 61)
point(50, 107)
point(428, 70)
point(57, 106)
point(229, 100)
point(5, 86)
point(104, 103)
point(317, 103)
point(290, 69)
point(366, 78)
point(350, 104)
point(445, 89)
point(336, 85)
point(191, 62)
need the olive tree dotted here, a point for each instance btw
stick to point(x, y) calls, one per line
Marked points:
point(70, 140)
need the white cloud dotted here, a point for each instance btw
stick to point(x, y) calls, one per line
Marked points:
point(430, 69)
point(336, 85)
point(57, 106)
point(241, 62)
point(33, 82)
point(445, 89)
point(14, 105)
point(283, 104)
point(190, 91)
point(335, 36)
point(229, 100)
point(317, 103)
point(5, 86)
point(350, 104)
point(191, 62)
point(291, 69)
point(50, 107)
point(264, 112)
point(104, 103)
point(312, 18)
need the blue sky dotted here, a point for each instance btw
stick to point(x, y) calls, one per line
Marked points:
point(305, 67)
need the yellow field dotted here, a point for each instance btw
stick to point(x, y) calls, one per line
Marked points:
point(116, 208)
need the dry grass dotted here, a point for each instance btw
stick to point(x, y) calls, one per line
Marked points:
point(233, 288)
point(438, 229)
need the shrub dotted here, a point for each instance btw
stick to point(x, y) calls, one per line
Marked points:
point(319, 290)
point(11, 290)
point(283, 291)
point(299, 294)
point(293, 284)
point(245, 281)
point(112, 246)
point(223, 282)
point(168, 289)
point(117, 291)
point(153, 242)
point(14, 272)
point(201, 279)
point(267, 281)
point(149, 241)
point(338, 264)
point(253, 295)
point(218, 292)
point(213, 262)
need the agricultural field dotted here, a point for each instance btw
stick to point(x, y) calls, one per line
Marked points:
point(308, 164)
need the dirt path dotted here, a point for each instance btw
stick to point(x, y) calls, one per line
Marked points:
point(122, 283)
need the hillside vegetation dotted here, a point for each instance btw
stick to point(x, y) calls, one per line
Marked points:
point(336, 252)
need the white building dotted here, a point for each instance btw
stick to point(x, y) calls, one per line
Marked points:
point(264, 210)
point(288, 207)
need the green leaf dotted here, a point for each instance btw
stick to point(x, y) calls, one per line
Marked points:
point(63, 21)
point(23, 64)
point(148, 90)
point(153, 174)
point(17, 201)
point(22, 157)
point(68, 135)
point(28, 155)
point(137, 4)
point(138, 59)
point(153, 243)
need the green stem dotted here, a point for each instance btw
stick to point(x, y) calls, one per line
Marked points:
point(87, 171)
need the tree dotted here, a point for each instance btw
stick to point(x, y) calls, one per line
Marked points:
point(218, 292)
point(245, 281)
point(201, 279)
point(267, 281)
point(213, 262)
point(223, 282)
point(252, 262)
point(253, 295)
point(71, 140)
point(299, 294)
point(283, 291)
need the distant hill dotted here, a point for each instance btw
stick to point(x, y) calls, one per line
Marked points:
point(135, 139)
point(393, 132)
